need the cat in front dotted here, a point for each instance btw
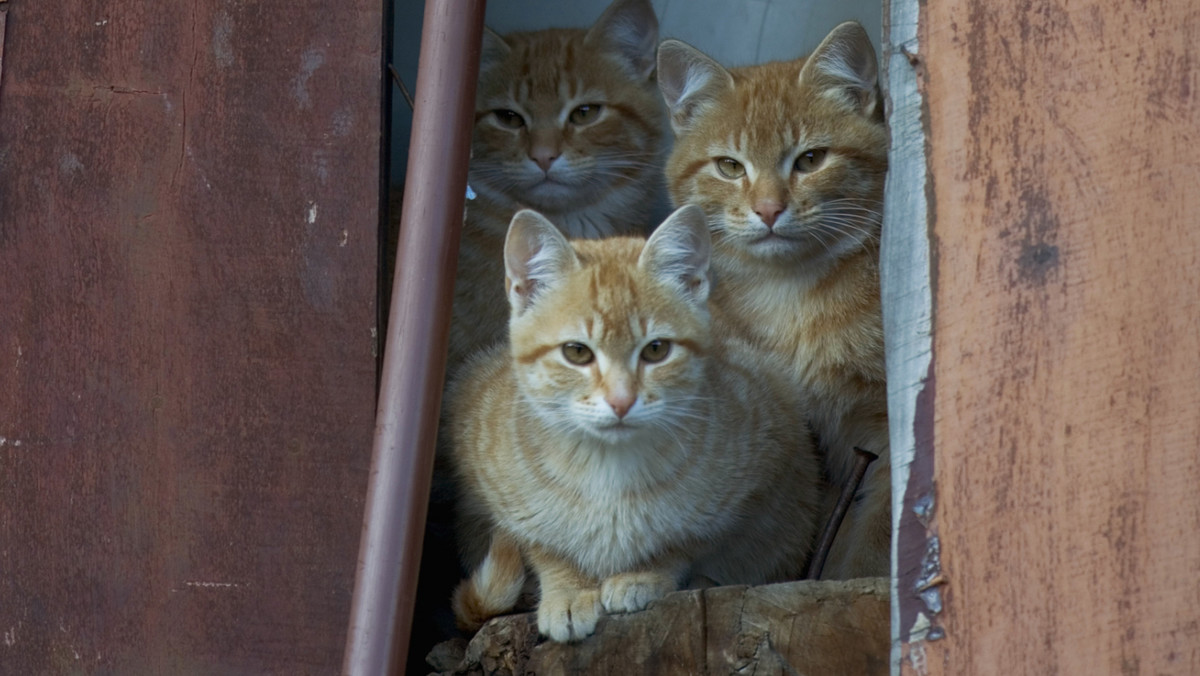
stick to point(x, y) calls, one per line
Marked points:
point(615, 446)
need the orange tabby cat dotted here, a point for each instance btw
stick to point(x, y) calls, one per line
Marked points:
point(568, 122)
point(788, 161)
point(617, 447)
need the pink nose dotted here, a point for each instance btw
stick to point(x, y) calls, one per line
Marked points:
point(544, 157)
point(620, 403)
point(768, 212)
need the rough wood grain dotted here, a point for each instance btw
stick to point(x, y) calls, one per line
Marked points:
point(1065, 276)
point(828, 628)
point(188, 248)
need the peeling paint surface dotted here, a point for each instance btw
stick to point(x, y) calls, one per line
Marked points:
point(1054, 405)
point(906, 279)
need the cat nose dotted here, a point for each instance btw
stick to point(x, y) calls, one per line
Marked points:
point(768, 211)
point(620, 403)
point(544, 157)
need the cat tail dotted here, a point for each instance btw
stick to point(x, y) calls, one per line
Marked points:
point(495, 586)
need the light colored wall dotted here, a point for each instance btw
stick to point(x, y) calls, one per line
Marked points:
point(735, 32)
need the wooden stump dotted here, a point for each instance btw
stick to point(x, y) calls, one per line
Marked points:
point(828, 628)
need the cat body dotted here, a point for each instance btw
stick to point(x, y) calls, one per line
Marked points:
point(616, 446)
point(568, 122)
point(788, 160)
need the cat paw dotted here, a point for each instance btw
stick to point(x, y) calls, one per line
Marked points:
point(569, 617)
point(629, 592)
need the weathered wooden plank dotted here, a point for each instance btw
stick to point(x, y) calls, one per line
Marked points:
point(188, 219)
point(907, 313)
point(1064, 256)
point(833, 628)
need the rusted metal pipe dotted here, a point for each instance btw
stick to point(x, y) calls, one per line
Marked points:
point(415, 350)
point(817, 565)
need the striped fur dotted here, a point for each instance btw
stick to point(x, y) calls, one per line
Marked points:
point(606, 177)
point(494, 586)
point(624, 477)
point(806, 285)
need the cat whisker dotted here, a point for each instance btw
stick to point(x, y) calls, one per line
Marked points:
point(841, 219)
point(848, 228)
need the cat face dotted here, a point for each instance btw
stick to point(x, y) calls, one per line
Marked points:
point(565, 116)
point(609, 336)
point(787, 158)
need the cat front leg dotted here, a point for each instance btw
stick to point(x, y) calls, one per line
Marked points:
point(634, 590)
point(570, 604)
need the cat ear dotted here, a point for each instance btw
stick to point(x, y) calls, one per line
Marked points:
point(536, 255)
point(631, 27)
point(844, 67)
point(494, 49)
point(679, 251)
point(689, 81)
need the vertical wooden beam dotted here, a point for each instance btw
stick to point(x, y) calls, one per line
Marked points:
point(1061, 442)
point(418, 330)
point(906, 279)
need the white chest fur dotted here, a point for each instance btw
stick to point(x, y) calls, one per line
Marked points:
point(613, 510)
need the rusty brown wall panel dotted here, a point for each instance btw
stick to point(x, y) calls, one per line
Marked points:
point(1062, 437)
point(188, 219)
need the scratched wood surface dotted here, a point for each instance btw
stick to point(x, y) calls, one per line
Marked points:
point(188, 219)
point(1060, 420)
point(819, 628)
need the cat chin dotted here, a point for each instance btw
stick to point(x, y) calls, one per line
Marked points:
point(616, 434)
point(770, 246)
point(555, 196)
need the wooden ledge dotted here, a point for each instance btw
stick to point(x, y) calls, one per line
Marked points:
point(828, 628)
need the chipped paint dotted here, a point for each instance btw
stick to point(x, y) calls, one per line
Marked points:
point(916, 657)
point(222, 40)
point(343, 122)
point(906, 278)
point(213, 585)
point(310, 61)
point(69, 163)
point(312, 213)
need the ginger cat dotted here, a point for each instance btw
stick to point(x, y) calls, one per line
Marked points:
point(568, 122)
point(788, 161)
point(618, 447)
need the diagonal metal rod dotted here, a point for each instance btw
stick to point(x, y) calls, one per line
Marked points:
point(415, 350)
point(817, 565)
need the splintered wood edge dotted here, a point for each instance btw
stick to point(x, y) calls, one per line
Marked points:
point(802, 620)
point(906, 280)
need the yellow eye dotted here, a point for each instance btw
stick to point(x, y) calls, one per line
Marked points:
point(730, 168)
point(509, 118)
point(656, 351)
point(578, 354)
point(810, 160)
point(585, 114)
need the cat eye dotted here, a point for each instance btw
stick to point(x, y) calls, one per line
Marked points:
point(585, 114)
point(578, 354)
point(509, 118)
point(730, 168)
point(810, 160)
point(656, 351)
